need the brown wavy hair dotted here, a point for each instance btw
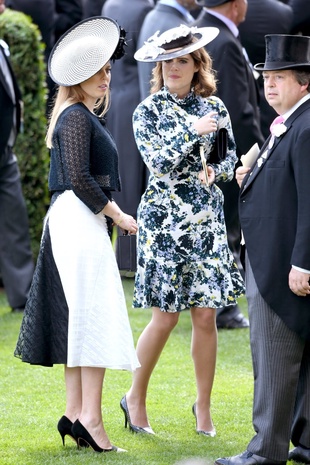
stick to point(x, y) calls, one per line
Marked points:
point(204, 79)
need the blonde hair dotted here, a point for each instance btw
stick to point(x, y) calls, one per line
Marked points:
point(67, 96)
point(204, 80)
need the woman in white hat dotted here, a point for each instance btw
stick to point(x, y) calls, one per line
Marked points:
point(183, 256)
point(76, 313)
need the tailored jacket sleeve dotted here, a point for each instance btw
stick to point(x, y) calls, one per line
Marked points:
point(301, 168)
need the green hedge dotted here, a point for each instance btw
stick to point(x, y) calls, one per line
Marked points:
point(27, 59)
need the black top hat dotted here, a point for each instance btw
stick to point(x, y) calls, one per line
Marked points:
point(211, 3)
point(285, 52)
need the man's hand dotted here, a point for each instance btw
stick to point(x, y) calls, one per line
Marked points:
point(299, 282)
point(241, 171)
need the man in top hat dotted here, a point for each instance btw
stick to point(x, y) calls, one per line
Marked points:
point(275, 219)
point(237, 88)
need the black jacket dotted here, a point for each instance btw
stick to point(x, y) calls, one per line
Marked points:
point(7, 106)
point(274, 216)
point(236, 85)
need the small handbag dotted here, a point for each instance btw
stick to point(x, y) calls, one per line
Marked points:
point(126, 252)
point(219, 151)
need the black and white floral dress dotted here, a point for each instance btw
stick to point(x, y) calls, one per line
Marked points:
point(183, 255)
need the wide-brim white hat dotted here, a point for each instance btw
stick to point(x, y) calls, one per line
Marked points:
point(84, 49)
point(175, 42)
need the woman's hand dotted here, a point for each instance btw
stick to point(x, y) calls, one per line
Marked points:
point(211, 176)
point(206, 124)
point(126, 223)
point(120, 219)
point(241, 171)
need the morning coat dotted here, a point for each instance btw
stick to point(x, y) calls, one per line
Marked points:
point(275, 219)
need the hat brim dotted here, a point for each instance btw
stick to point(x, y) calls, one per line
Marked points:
point(83, 50)
point(211, 4)
point(274, 66)
point(204, 35)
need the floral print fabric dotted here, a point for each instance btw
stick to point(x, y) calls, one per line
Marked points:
point(183, 255)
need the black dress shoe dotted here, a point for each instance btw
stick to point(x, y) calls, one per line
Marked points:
point(299, 454)
point(238, 321)
point(247, 458)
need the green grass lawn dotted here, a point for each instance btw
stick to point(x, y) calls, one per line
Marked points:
point(33, 400)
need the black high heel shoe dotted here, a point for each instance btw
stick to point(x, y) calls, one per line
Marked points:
point(211, 433)
point(82, 435)
point(64, 427)
point(133, 428)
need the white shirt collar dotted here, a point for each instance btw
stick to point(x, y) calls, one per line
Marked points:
point(300, 102)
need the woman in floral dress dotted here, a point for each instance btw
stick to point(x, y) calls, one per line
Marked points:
point(183, 257)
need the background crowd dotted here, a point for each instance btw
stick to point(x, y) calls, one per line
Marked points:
point(251, 117)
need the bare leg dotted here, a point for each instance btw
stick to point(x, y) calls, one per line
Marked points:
point(73, 393)
point(91, 415)
point(149, 347)
point(204, 348)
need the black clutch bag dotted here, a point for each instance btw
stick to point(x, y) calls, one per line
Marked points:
point(219, 151)
point(126, 252)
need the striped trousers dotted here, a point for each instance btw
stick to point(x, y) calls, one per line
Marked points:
point(281, 368)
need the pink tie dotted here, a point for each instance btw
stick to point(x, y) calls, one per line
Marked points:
point(277, 120)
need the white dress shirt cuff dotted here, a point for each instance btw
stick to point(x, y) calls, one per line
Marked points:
point(300, 269)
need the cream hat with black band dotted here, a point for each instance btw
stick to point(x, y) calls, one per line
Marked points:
point(175, 42)
point(84, 49)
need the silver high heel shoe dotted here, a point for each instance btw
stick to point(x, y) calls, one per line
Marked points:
point(211, 434)
point(133, 428)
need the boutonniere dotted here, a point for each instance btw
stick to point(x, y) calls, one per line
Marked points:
point(278, 130)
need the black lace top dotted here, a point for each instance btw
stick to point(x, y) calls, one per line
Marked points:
point(84, 158)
